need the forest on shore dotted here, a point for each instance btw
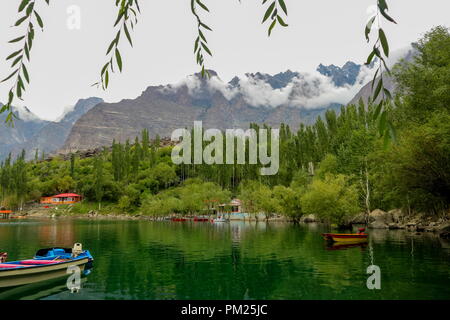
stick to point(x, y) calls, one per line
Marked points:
point(335, 169)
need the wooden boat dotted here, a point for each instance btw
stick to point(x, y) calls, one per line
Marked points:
point(201, 219)
point(47, 264)
point(345, 237)
point(179, 219)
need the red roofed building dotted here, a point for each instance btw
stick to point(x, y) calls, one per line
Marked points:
point(63, 198)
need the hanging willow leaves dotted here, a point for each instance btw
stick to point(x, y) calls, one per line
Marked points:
point(272, 13)
point(31, 16)
point(200, 43)
point(385, 128)
point(126, 18)
point(384, 42)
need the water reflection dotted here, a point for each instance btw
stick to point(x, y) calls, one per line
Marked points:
point(238, 260)
point(36, 291)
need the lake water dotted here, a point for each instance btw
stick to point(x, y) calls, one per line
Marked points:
point(237, 260)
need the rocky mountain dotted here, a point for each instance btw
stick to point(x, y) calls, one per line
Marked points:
point(341, 76)
point(30, 133)
point(26, 125)
point(287, 97)
point(389, 83)
point(366, 90)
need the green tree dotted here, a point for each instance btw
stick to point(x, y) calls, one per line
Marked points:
point(98, 179)
point(331, 199)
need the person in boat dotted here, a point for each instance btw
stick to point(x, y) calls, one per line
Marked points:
point(3, 257)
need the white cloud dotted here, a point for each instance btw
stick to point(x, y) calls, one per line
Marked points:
point(258, 93)
point(216, 84)
point(192, 82)
point(308, 90)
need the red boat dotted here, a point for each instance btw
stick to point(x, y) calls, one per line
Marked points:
point(179, 219)
point(347, 237)
point(201, 219)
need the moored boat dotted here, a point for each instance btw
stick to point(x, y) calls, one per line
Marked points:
point(201, 219)
point(179, 219)
point(346, 237)
point(47, 264)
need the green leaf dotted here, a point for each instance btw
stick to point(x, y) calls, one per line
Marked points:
point(105, 67)
point(369, 27)
point(30, 9)
point(23, 4)
point(39, 20)
point(384, 42)
point(119, 17)
point(128, 34)
point(272, 26)
point(386, 67)
point(137, 6)
point(205, 26)
point(12, 55)
point(378, 89)
point(370, 57)
point(197, 41)
point(16, 61)
point(280, 21)
point(27, 52)
point(387, 17)
point(16, 39)
point(10, 97)
point(382, 5)
point(106, 79)
point(20, 83)
point(283, 6)
point(25, 73)
point(268, 12)
point(19, 91)
point(10, 76)
point(19, 22)
point(111, 46)
point(202, 5)
point(274, 14)
point(206, 49)
point(202, 36)
point(119, 59)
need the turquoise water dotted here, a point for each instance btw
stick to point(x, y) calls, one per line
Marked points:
point(237, 260)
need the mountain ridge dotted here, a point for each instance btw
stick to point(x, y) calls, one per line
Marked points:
point(286, 97)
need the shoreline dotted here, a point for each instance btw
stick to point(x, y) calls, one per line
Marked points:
point(378, 219)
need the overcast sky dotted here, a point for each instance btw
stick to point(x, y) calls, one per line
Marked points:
point(66, 62)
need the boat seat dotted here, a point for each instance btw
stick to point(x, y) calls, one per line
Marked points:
point(38, 262)
point(10, 265)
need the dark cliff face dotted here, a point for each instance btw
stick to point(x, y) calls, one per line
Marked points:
point(30, 133)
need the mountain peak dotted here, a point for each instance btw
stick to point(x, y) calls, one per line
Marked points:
point(345, 75)
point(212, 73)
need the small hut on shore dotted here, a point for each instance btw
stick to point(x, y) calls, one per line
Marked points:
point(63, 198)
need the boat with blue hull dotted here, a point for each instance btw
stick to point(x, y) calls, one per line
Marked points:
point(47, 264)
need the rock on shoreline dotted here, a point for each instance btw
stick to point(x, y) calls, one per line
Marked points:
point(397, 219)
